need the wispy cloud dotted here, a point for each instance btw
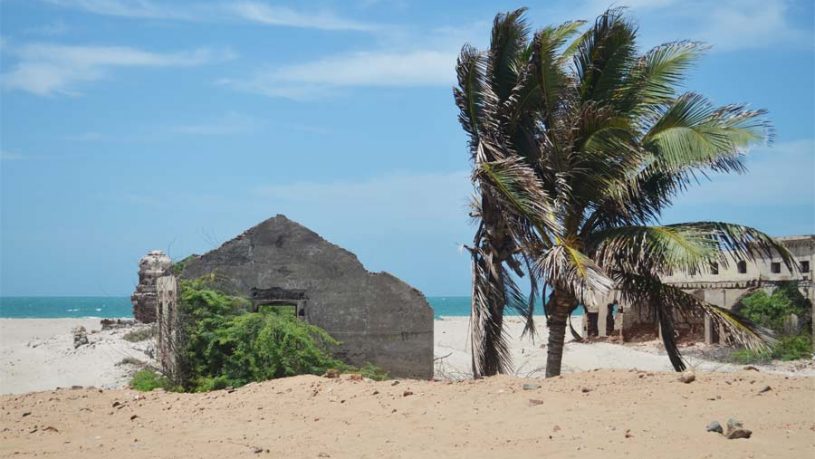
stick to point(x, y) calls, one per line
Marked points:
point(231, 123)
point(10, 156)
point(322, 77)
point(249, 11)
point(396, 198)
point(779, 174)
point(51, 29)
point(747, 24)
point(728, 25)
point(46, 69)
point(143, 9)
point(282, 16)
point(88, 136)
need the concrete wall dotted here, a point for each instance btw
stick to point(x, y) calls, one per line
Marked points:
point(377, 317)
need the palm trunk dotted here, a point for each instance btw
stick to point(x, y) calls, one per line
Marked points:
point(493, 241)
point(562, 306)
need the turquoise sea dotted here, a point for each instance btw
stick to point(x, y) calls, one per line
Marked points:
point(119, 306)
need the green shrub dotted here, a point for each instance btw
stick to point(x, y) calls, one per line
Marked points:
point(130, 361)
point(771, 310)
point(793, 347)
point(224, 345)
point(372, 371)
point(140, 334)
point(747, 356)
point(146, 380)
point(178, 266)
point(787, 348)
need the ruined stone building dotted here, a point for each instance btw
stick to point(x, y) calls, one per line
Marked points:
point(721, 285)
point(145, 298)
point(376, 317)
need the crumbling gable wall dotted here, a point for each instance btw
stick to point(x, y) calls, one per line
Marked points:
point(377, 317)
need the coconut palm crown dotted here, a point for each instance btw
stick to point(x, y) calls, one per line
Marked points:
point(578, 143)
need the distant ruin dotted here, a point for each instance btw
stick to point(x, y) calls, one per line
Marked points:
point(720, 285)
point(279, 263)
point(144, 299)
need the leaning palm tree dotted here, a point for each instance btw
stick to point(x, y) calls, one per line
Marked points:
point(578, 142)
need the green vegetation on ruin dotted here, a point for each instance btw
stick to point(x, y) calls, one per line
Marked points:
point(223, 344)
point(771, 311)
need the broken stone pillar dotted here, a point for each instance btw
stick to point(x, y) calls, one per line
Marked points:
point(167, 318)
point(144, 299)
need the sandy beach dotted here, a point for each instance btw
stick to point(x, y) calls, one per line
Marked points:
point(38, 354)
point(607, 413)
point(613, 400)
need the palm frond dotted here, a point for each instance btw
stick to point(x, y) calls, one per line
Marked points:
point(691, 132)
point(517, 184)
point(653, 249)
point(605, 56)
point(565, 267)
point(655, 76)
point(738, 242)
point(509, 38)
point(470, 94)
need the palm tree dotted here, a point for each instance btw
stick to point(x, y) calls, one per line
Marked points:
point(578, 143)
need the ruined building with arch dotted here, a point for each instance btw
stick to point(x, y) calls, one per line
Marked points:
point(721, 285)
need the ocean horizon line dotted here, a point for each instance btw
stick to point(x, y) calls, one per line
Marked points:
point(56, 307)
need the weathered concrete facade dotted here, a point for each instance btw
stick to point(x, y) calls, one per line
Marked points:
point(377, 317)
point(721, 285)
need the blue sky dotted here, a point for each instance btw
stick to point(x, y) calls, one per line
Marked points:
point(132, 125)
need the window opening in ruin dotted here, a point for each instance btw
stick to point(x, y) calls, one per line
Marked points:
point(805, 266)
point(775, 267)
point(714, 268)
point(285, 309)
point(742, 267)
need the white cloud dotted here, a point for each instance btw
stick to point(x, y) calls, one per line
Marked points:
point(144, 9)
point(321, 77)
point(46, 69)
point(250, 11)
point(728, 25)
point(780, 174)
point(282, 16)
point(750, 24)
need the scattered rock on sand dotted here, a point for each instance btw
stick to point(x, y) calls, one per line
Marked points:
point(765, 389)
point(80, 336)
point(714, 426)
point(735, 430)
point(687, 376)
point(332, 373)
point(531, 386)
